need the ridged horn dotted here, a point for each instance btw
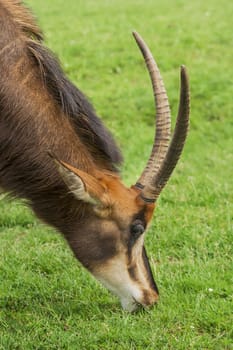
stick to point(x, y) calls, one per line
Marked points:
point(154, 187)
point(163, 116)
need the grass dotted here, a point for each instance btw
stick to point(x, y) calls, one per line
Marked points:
point(47, 300)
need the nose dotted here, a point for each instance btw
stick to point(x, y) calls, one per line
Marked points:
point(150, 298)
point(148, 301)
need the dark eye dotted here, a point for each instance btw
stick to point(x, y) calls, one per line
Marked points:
point(137, 229)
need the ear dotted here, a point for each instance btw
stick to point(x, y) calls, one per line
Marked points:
point(84, 186)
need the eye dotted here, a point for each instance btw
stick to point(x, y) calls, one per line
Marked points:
point(137, 229)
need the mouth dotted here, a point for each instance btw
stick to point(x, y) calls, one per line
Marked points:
point(135, 291)
point(132, 305)
point(138, 305)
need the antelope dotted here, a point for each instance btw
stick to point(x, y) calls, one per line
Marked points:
point(57, 155)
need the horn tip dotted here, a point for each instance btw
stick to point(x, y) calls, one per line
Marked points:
point(184, 73)
point(183, 68)
point(135, 34)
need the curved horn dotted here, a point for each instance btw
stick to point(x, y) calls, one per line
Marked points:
point(163, 116)
point(153, 188)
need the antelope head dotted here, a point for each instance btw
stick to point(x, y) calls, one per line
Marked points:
point(109, 241)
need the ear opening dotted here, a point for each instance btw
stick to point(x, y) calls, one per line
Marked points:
point(82, 185)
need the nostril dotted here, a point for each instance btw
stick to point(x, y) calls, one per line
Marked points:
point(154, 299)
point(150, 298)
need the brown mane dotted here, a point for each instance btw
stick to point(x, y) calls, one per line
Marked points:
point(22, 18)
point(71, 100)
point(74, 104)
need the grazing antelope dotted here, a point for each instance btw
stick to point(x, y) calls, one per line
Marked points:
point(57, 155)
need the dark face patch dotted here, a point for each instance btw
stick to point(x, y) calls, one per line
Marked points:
point(96, 245)
point(133, 272)
point(140, 216)
point(148, 268)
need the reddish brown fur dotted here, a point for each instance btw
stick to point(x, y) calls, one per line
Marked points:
point(41, 111)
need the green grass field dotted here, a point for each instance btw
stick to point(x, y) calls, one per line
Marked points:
point(47, 300)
